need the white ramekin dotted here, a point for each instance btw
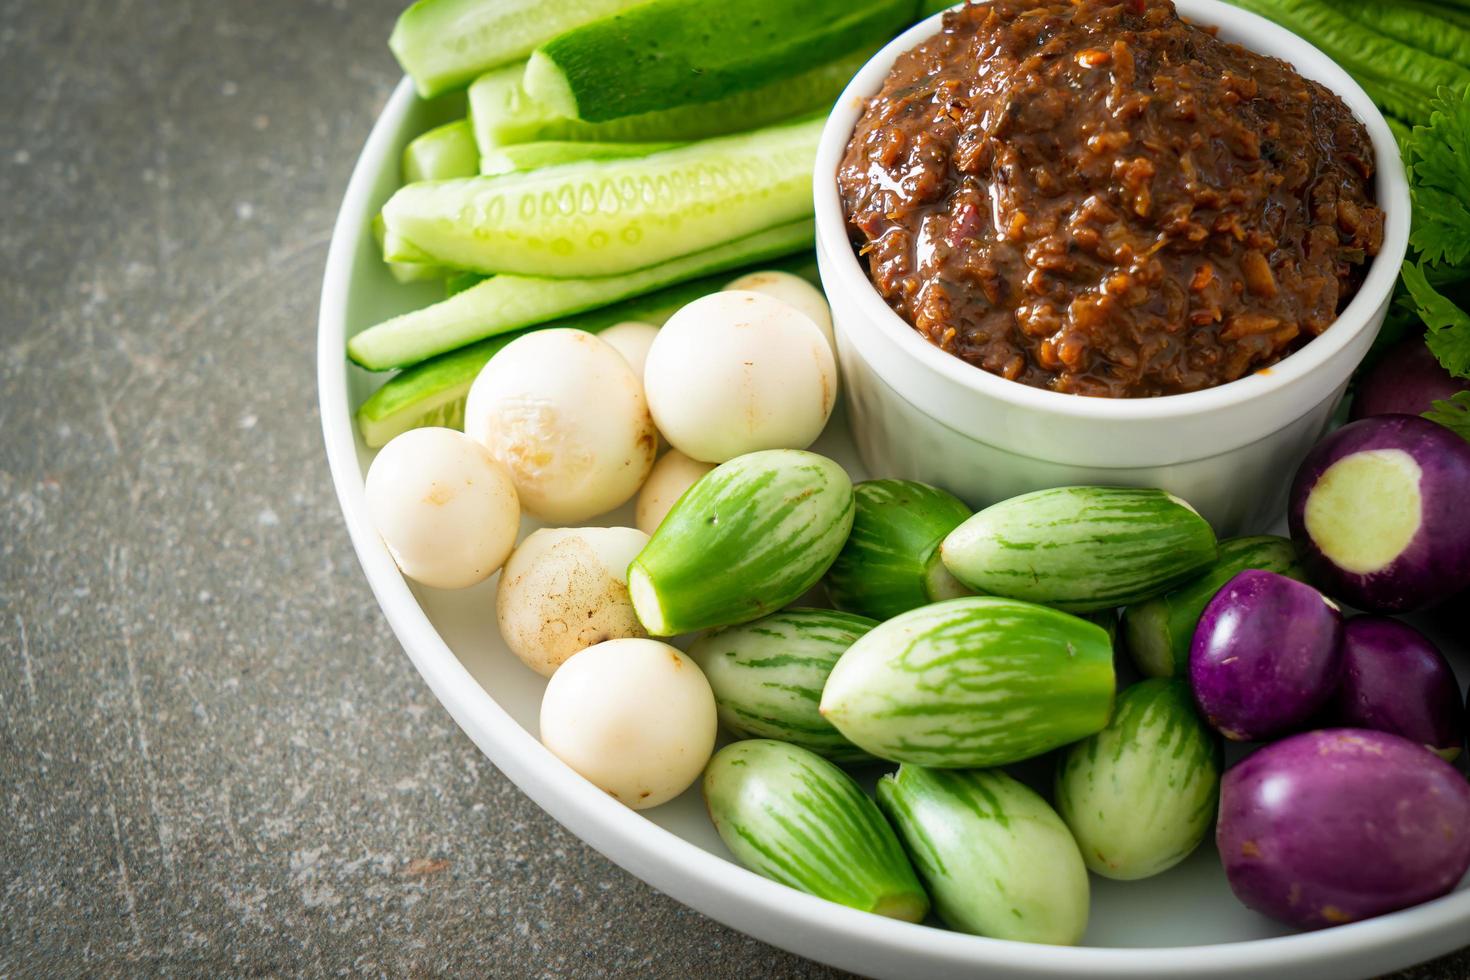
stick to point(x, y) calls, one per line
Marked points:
point(920, 413)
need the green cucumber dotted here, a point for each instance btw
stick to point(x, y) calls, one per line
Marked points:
point(1160, 630)
point(973, 682)
point(413, 268)
point(442, 153)
point(503, 114)
point(458, 282)
point(443, 44)
point(434, 391)
point(794, 817)
point(768, 675)
point(669, 53)
point(1081, 548)
point(502, 304)
point(751, 536)
point(1139, 796)
point(534, 156)
point(890, 563)
point(996, 859)
point(604, 218)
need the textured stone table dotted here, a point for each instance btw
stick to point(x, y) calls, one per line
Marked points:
point(213, 756)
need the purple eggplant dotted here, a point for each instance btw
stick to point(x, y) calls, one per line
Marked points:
point(1407, 380)
point(1395, 680)
point(1266, 656)
point(1381, 512)
point(1342, 824)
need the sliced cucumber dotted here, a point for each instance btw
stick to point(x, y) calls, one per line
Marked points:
point(458, 282)
point(890, 563)
point(556, 153)
point(443, 44)
point(414, 268)
point(443, 153)
point(433, 392)
point(610, 217)
point(750, 537)
point(504, 303)
point(1081, 548)
point(768, 676)
point(670, 53)
point(794, 817)
point(503, 114)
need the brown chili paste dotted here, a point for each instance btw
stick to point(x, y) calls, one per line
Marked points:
point(1100, 198)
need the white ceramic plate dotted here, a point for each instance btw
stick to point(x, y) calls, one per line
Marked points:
point(1184, 922)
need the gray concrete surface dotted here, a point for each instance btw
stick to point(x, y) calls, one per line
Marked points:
point(213, 757)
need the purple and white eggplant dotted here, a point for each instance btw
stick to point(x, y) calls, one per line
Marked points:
point(1266, 656)
point(1395, 680)
point(1381, 512)
point(1340, 825)
point(1408, 380)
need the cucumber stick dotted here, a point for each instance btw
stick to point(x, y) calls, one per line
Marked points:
point(1081, 548)
point(890, 563)
point(1139, 796)
point(668, 53)
point(609, 217)
point(556, 153)
point(795, 818)
point(768, 675)
point(441, 154)
point(1160, 630)
point(443, 44)
point(996, 859)
point(413, 266)
point(972, 682)
point(503, 114)
point(750, 537)
point(434, 392)
point(502, 304)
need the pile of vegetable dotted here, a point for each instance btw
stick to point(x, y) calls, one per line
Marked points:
point(1412, 57)
point(615, 160)
point(961, 643)
point(596, 349)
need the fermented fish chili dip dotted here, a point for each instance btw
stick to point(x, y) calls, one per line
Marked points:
point(1100, 198)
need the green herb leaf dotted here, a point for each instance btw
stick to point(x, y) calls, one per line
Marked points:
point(1453, 414)
point(1448, 326)
point(1439, 162)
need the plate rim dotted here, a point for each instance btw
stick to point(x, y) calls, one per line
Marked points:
point(724, 891)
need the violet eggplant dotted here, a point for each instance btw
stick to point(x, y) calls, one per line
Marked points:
point(1408, 380)
point(1266, 656)
point(1343, 824)
point(1395, 680)
point(1381, 512)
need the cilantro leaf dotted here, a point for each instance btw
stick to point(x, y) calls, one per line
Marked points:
point(1448, 335)
point(1453, 414)
point(1439, 166)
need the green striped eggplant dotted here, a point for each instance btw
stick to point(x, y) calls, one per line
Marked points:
point(978, 681)
point(1139, 795)
point(1081, 548)
point(768, 675)
point(752, 535)
point(996, 859)
point(1160, 630)
point(794, 817)
point(890, 563)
